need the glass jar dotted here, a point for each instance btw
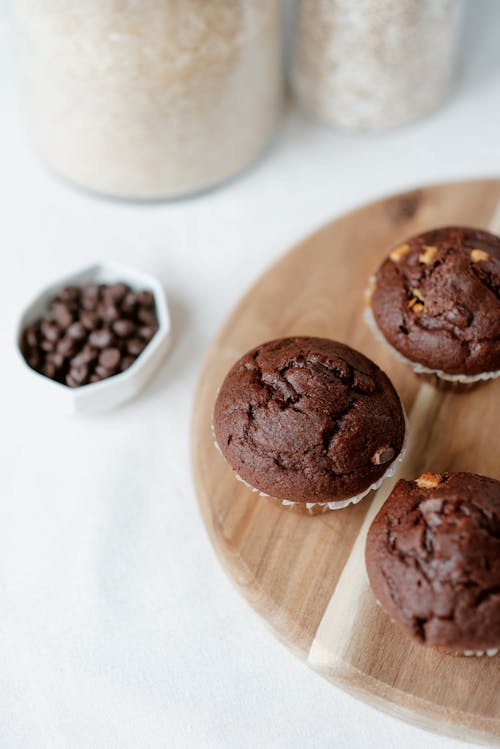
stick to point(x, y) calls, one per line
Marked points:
point(150, 99)
point(374, 64)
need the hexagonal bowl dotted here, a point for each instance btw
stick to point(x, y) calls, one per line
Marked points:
point(108, 393)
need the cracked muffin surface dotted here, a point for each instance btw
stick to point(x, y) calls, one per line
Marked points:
point(433, 559)
point(437, 300)
point(308, 420)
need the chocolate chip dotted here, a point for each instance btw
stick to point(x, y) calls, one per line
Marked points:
point(101, 338)
point(129, 303)
point(89, 320)
point(66, 346)
point(110, 313)
point(126, 362)
point(115, 293)
point(31, 336)
point(77, 331)
point(69, 294)
point(79, 374)
point(147, 332)
point(109, 358)
point(135, 346)
point(90, 353)
point(33, 358)
point(90, 297)
point(50, 330)
point(146, 316)
point(145, 299)
point(90, 304)
point(47, 345)
point(86, 356)
point(57, 359)
point(382, 455)
point(123, 328)
point(103, 372)
point(62, 314)
point(49, 369)
point(71, 382)
point(91, 291)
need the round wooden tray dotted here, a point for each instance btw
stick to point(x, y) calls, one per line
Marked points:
point(306, 575)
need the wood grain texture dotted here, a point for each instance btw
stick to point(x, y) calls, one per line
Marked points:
point(306, 575)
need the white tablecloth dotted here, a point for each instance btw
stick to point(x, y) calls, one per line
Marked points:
point(118, 627)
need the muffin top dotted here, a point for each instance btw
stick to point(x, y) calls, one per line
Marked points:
point(308, 420)
point(433, 559)
point(437, 300)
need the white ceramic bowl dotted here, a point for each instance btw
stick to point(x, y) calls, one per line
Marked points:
point(107, 393)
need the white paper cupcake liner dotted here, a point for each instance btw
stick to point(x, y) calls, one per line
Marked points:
point(339, 504)
point(215, 438)
point(420, 368)
point(489, 652)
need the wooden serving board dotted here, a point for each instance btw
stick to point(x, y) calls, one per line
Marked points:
point(306, 575)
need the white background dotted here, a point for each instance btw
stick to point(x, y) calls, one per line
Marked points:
point(118, 627)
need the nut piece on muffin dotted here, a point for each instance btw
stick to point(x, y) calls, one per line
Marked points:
point(436, 301)
point(309, 421)
point(433, 560)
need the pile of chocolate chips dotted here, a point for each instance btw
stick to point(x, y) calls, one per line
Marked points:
point(90, 333)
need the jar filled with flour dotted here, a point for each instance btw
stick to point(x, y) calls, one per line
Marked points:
point(375, 64)
point(150, 99)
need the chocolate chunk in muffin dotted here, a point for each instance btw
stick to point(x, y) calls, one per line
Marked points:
point(437, 300)
point(308, 420)
point(433, 559)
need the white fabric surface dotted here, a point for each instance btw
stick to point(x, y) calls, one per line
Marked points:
point(118, 627)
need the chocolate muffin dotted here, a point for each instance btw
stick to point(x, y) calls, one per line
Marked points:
point(309, 420)
point(436, 300)
point(433, 560)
